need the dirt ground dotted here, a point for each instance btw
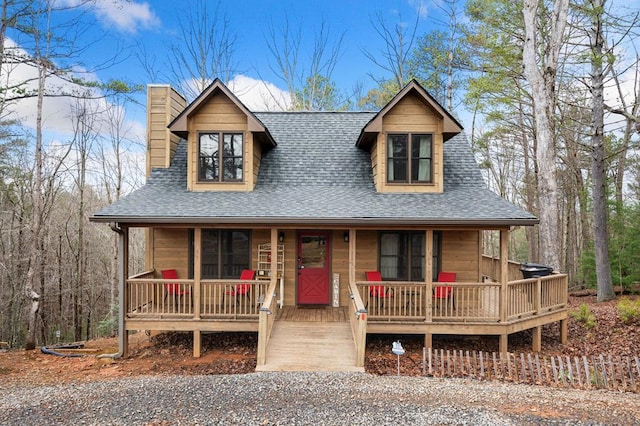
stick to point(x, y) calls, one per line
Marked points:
point(233, 353)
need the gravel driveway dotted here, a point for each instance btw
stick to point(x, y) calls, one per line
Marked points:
point(310, 398)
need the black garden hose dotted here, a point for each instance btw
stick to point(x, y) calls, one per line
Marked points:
point(51, 350)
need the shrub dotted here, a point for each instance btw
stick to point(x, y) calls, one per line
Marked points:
point(109, 325)
point(584, 315)
point(629, 310)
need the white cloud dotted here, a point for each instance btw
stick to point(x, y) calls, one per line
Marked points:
point(259, 95)
point(420, 7)
point(58, 110)
point(126, 15)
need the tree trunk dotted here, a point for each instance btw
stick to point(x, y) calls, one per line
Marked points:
point(542, 84)
point(530, 185)
point(598, 166)
point(33, 273)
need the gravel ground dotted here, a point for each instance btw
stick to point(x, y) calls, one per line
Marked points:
point(310, 398)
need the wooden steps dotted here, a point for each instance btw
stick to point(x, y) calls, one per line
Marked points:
point(310, 345)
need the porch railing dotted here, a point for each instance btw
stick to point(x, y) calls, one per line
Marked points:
point(219, 299)
point(358, 321)
point(266, 321)
point(491, 268)
point(536, 295)
point(467, 302)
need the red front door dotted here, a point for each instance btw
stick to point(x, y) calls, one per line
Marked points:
point(313, 268)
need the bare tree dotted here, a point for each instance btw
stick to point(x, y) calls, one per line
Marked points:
point(114, 172)
point(598, 167)
point(540, 59)
point(398, 45)
point(307, 78)
point(45, 48)
point(205, 49)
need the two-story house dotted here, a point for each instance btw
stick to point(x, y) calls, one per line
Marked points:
point(363, 212)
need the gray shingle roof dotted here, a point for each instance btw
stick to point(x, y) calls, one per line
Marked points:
point(317, 175)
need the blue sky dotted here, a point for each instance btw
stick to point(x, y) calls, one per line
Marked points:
point(120, 28)
point(250, 20)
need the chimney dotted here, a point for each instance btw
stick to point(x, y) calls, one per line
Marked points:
point(163, 105)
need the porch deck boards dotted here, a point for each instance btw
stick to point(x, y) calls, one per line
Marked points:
point(305, 339)
point(313, 314)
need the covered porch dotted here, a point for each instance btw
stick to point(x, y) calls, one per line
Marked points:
point(498, 302)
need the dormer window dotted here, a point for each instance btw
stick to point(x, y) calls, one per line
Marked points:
point(220, 162)
point(410, 158)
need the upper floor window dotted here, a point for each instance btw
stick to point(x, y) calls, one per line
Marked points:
point(220, 157)
point(410, 158)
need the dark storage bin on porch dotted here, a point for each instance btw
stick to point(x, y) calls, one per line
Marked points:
point(534, 270)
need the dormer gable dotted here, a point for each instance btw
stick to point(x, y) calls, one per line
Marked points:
point(406, 142)
point(225, 141)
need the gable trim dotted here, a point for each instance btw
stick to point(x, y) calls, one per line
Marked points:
point(179, 125)
point(451, 126)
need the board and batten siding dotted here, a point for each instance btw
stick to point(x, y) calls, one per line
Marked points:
point(220, 114)
point(163, 105)
point(410, 115)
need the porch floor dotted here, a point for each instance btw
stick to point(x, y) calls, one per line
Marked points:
point(311, 339)
point(313, 314)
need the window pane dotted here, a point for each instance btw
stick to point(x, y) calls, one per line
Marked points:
point(224, 253)
point(421, 158)
point(232, 157)
point(209, 253)
point(402, 255)
point(398, 172)
point(235, 253)
point(397, 158)
point(233, 145)
point(313, 251)
point(208, 164)
point(393, 256)
point(232, 169)
point(417, 257)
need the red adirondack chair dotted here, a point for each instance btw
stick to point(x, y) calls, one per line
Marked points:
point(173, 289)
point(377, 292)
point(242, 289)
point(445, 292)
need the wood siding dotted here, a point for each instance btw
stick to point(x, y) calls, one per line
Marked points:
point(460, 254)
point(220, 114)
point(409, 115)
point(163, 105)
point(171, 250)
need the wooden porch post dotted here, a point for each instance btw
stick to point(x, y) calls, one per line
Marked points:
point(274, 257)
point(197, 275)
point(123, 273)
point(504, 289)
point(504, 273)
point(360, 335)
point(504, 343)
point(563, 331)
point(352, 256)
point(537, 338)
point(428, 278)
point(480, 258)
